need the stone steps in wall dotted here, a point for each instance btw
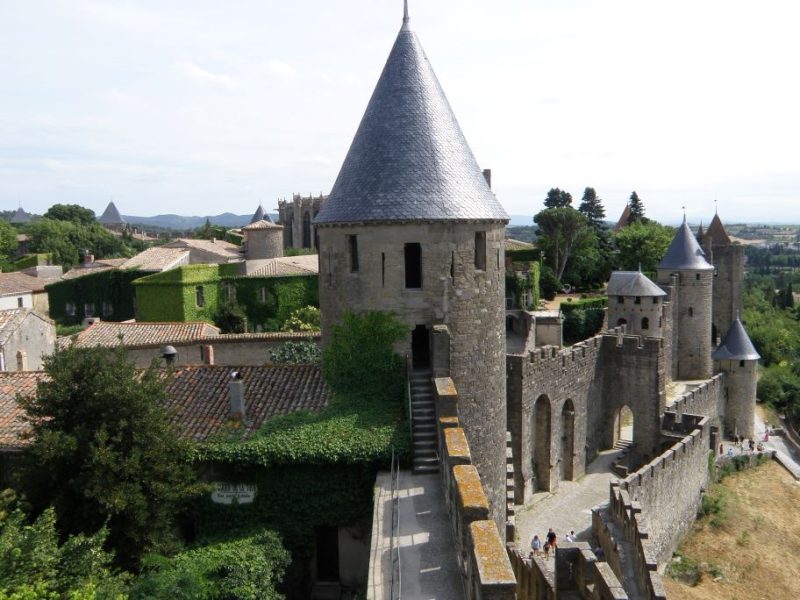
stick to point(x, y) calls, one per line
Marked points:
point(423, 425)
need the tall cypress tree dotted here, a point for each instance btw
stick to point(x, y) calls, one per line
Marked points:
point(637, 209)
point(592, 208)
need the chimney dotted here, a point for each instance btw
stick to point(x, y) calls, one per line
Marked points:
point(170, 354)
point(22, 360)
point(207, 354)
point(236, 390)
point(487, 175)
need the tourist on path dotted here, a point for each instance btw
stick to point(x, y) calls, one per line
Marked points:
point(552, 539)
point(536, 546)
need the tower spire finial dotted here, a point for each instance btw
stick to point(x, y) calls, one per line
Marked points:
point(716, 207)
point(684, 213)
point(405, 12)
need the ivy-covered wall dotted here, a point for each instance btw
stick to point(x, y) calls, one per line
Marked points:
point(172, 295)
point(523, 279)
point(107, 287)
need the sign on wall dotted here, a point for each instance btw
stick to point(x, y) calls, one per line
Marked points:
point(225, 493)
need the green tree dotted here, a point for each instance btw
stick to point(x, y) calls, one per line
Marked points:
point(549, 285)
point(642, 245)
point(66, 241)
point(557, 198)
point(303, 352)
point(592, 208)
point(306, 318)
point(562, 231)
point(8, 240)
point(34, 565)
point(70, 212)
point(230, 318)
point(637, 209)
point(247, 568)
point(103, 451)
point(360, 357)
point(788, 296)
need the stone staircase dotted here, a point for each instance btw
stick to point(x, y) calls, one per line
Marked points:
point(423, 423)
point(620, 466)
point(510, 509)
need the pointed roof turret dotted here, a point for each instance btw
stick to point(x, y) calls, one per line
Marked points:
point(409, 160)
point(700, 234)
point(632, 283)
point(736, 345)
point(111, 216)
point(624, 218)
point(716, 232)
point(260, 215)
point(20, 217)
point(684, 253)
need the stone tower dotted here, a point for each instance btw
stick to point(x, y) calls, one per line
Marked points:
point(262, 239)
point(688, 277)
point(636, 302)
point(738, 359)
point(412, 227)
point(728, 261)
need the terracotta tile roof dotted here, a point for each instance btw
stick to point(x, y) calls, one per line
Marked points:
point(716, 232)
point(265, 335)
point(20, 283)
point(262, 224)
point(157, 259)
point(107, 334)
point(199, 397)
point(224, 250)
point(11, 424)
point(307, 264)
point(98, 266)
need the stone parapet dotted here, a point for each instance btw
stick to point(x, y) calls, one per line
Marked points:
point(482, 558)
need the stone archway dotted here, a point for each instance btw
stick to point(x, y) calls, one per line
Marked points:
point(567, 440)
point(542, 443)
point(624, 432)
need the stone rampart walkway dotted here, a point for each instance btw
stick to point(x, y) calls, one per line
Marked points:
point(568, 509)
point(425, 556)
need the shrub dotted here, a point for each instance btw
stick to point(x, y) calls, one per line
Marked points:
point(230, 318)
point(303, 319)
point(297, 353)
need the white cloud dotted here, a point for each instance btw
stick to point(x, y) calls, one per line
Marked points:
point(202, 75)
point(281, 69)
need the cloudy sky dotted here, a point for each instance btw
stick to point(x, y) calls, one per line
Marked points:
point(200, 106)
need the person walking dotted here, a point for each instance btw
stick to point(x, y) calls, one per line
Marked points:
point(552, 539)
point(536, 546)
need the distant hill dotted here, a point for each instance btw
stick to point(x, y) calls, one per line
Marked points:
point(182, 223)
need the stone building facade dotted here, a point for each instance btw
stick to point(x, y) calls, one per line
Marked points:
point(297, 218)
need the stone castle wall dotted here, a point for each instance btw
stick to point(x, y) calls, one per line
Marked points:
point(707, 399)
point(468, 300)
point(729, 263)
point(739, 397)
point(297, 216)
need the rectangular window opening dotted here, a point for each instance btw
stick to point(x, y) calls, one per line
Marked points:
point(352, 244)
point(480, 250)
point(383, 269)
point(638, 300)
point(199, 296)
point(498, 259)
point(452, 266)
point(413, 259)
point(20, 302)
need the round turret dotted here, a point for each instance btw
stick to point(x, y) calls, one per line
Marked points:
point(738, 360)
point(262, 239)
point(635, 302)
point(412, 227)
point(685, 271)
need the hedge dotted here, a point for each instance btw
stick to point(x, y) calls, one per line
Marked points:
point(584, 304)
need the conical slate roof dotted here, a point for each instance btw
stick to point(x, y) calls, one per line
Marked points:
point(736, 345)
point(716, 232)
point(632, 283)
point(684, 253)
point(20, 217)
point(260, 215)
point(409, 160)
point(111, 216)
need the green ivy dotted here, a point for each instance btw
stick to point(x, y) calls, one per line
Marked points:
point(113, 286)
